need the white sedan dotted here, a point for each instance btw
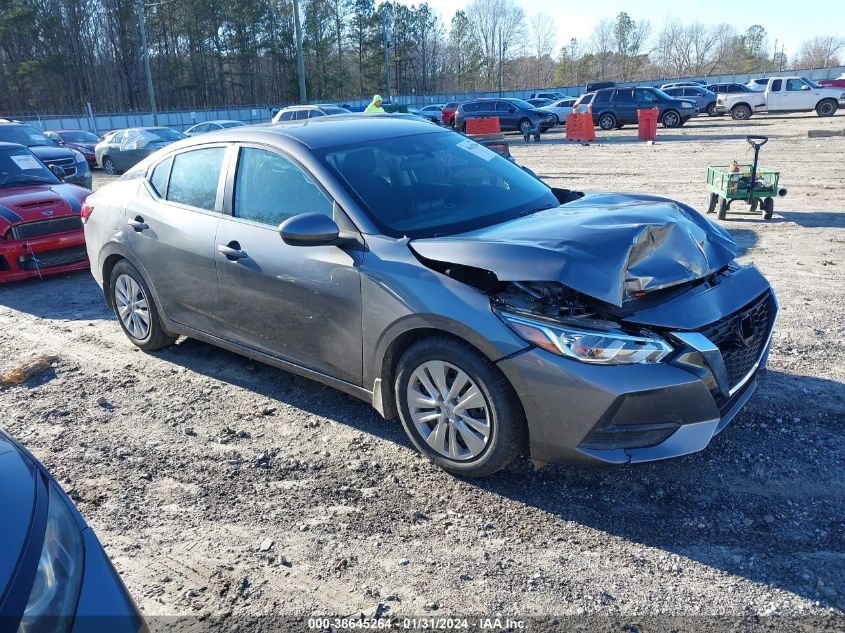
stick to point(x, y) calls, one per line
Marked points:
point(561, 108)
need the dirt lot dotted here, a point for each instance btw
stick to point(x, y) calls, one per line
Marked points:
point(187, 460)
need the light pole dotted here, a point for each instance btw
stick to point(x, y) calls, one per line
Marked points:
point(300, 63)
point(142, 23)
point(387, 44)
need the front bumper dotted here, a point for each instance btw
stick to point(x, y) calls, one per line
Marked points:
point(42, 256)
point(582, 413)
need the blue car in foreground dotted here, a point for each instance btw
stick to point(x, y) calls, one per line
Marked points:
point(54, 575)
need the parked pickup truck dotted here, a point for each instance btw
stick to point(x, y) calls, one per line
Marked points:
point(782, 94)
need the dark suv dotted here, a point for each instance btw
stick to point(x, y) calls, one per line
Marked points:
point(73, 164)
point(613, 108)
point(514, 114)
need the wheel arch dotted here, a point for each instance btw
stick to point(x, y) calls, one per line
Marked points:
point(399, 338)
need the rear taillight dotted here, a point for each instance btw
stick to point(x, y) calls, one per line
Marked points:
point(590, 109)
point(86, 212)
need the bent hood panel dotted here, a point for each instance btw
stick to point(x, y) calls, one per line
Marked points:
point(607, 246)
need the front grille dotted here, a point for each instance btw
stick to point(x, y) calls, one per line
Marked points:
point(51, 259)
point(742, 336)
point(68, 164)
point(46, 227)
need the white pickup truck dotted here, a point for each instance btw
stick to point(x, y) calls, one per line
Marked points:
point(782, 94)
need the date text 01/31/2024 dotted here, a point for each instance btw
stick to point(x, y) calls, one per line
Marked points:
point(416, 624)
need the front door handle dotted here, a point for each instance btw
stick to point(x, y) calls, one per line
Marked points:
point(232, 251)
point(138, 224)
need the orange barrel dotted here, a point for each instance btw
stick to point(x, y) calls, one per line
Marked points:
point(483, 125)
point(647, 123)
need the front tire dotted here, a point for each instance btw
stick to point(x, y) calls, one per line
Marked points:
point(671, 119)
point(607, 122)
point(711, 109)
point(827, 107)
point(524, 126)
point(135, 309)
point(457, 407)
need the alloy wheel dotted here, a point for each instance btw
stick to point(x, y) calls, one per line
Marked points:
point(449, 410)
point(670, 119)
point(132, 307)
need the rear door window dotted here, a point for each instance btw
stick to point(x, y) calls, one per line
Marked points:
point(776, 85)
point(624, 96)
point(603, 96)
point(194, 177)
point(160, 175)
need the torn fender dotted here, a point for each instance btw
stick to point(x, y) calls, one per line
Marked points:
point(607, 246)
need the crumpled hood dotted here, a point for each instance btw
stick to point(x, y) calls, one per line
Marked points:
point(607, 246)
point(39, 202)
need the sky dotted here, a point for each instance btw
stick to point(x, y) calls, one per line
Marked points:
point(788, 22)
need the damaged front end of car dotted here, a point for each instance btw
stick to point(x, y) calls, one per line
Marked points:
point(645, 335)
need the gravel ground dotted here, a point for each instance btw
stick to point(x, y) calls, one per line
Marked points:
point(223, 488)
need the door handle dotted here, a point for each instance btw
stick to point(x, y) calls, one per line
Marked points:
point(138, 224)
point(232, 251)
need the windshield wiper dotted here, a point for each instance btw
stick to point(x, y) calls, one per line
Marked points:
point(34, 180)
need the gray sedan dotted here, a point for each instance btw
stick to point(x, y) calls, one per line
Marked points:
point(413, 268)
point(121, 149)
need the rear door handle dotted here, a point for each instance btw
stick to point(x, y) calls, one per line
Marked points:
point(232, 251)
point(138, 224)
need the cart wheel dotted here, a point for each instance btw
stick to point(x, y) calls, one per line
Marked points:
point(714, 200)
point(723, 208)
point(754, 203)
point(768, 208)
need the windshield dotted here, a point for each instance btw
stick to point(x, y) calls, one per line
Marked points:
point(437, 183)
point(335, 110)
point(519, 103)
point(163, 134)
point(226, 124)
point(24, 135)
point(19, 166)
point(811, 83)
point(662, 95)
point(79, 136)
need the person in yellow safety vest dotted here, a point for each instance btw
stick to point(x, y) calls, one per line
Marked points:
point(375, 106)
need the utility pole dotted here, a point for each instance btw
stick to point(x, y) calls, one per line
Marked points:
point(300, 63)
point(387, 43)
point(501, 60)
point(139, 8)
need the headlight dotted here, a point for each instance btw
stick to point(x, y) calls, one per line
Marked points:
point(589, 346)
point(55, 590)
point(77, 156)
point(685, 104)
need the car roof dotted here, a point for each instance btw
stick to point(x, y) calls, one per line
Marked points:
point(326, 132)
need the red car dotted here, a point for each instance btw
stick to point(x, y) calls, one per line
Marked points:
point(80, 140)
point(839, 82)
point(447, 114)
point(40, 218)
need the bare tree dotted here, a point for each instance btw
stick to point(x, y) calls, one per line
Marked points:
point(601, 46)
point(820, 52)
point(499, 28)
point(541, 31)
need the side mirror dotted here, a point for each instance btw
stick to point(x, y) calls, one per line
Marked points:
point(58, 172)
point(805, 87)
point(309, 229)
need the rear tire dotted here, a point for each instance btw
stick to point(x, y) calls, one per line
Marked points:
point(135, 308)
point(712, 202)
point(437, 425)
point(723, 208)
point(768, 208)
point(607, 122)
point(741, 112)
point(109, 167)
point(827, 107)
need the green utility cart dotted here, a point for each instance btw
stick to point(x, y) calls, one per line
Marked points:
point(754, 185)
